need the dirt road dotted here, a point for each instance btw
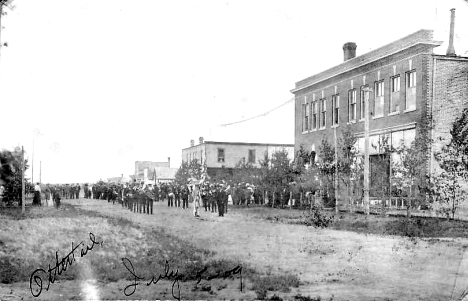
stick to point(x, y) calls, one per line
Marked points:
point(346, 265)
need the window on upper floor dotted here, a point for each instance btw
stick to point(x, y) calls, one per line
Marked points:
point(335, 109)
point(314, 106)
point(252, 156)
point(221, 157)
point(410, 97)
point(306, 114)
point(323, 113)
point(379, 99)
point(352, 105)
point(394, 94)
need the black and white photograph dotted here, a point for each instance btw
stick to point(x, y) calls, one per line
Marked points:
point(303, 150)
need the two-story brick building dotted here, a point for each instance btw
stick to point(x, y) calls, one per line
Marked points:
point(223, 156)
point(408, 82)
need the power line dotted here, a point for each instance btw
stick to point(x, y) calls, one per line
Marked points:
point(260, 115)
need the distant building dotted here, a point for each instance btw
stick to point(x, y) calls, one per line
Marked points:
point(115, 180)
point(161, 172)
point(223, 156)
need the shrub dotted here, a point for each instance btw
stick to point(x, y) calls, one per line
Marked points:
point(317, 218)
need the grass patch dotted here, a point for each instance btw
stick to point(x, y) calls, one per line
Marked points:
point(150, 250)
point(425, 227)
point(264, 284)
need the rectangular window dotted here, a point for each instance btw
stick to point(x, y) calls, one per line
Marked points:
point(410, 99)
point(379, 99)
point(221, 155)
point(352, 105)
point(363, 103)
point(395, 94)
point(314, 115)
point(306, 118)
point(335, 109)
point(252, 156)
point(323, 113)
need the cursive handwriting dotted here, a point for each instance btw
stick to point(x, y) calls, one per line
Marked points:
point(60, 266)
point(225, 274)
point(174, 276)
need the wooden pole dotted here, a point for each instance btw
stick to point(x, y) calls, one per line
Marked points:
point(366, 152)
point(23, 201)
point(32, 165)
point(336, 170)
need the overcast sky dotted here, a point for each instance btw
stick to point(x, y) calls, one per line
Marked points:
point(100, 84)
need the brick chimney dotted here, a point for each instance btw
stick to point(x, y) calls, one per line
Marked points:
point(451, 49)
point(192, 143)
point(349, 50)
point(169, 161)
point(200, 140)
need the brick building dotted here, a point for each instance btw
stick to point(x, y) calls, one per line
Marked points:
point(408, 82)
point(219, 156)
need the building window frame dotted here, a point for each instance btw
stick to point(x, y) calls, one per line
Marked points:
point(221, 155)
point(410, 90)
point(314, 115)
point(394, 103)
point(352, 105)
point(379, 99)
point(335, 110)
point(252, 156)
point(323, 113)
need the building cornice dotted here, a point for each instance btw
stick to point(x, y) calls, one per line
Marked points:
point(421, 37)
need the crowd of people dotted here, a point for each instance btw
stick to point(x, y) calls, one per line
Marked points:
point(54, 193)
point(139, 197)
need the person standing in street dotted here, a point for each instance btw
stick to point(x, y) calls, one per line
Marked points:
point(196, 199)
point(37, 195)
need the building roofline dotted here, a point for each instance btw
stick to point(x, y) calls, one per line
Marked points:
point(421, 37)
point(241, 143)
point(450, 58)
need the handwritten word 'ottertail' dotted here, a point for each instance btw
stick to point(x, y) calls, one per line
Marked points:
point(59, 267)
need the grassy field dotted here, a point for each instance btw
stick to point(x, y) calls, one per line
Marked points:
point(358, 258)
point(29, 241)
point(422, 227)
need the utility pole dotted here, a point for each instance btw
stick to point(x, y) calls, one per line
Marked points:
point(32, 165)
point(366, 91)
point(336, 170)
point(22, 181)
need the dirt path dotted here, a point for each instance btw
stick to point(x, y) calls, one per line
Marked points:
point(348, 265)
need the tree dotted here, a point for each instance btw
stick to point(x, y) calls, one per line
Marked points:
point(326, 165)
point(280, 174)
point(446, 189)
point(410, 171)
point(11, 174)
point(188, 170)
point(348, 163)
